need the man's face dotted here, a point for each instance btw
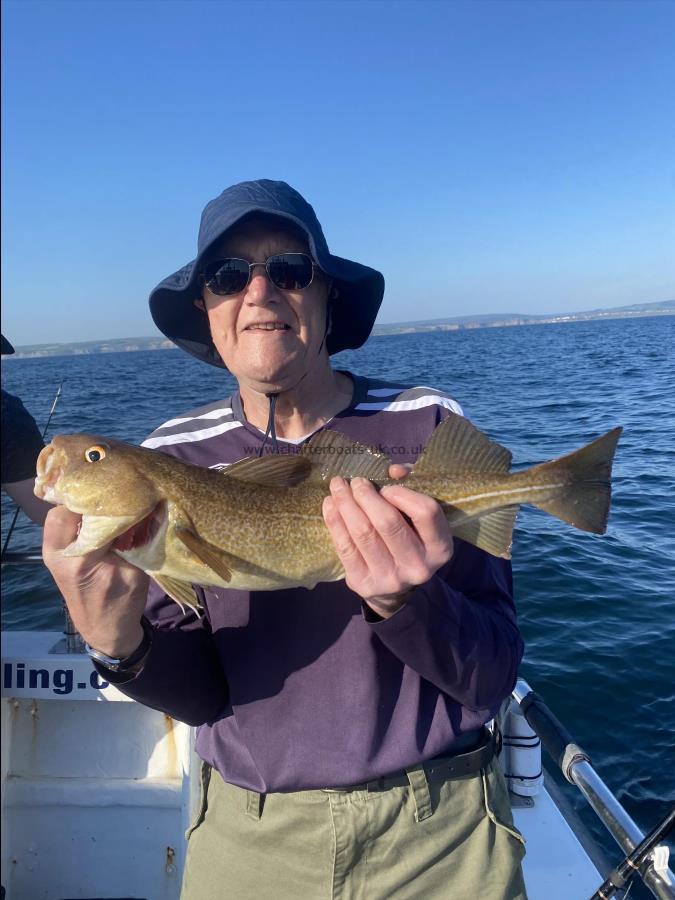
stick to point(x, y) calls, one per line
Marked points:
point(259, 356)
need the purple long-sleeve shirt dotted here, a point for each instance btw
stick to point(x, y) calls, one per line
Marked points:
point(297, 689)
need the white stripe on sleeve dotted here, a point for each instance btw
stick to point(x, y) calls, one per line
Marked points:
point(188, 437)
point(386, 392)
point(212, 414)
point(419, 403)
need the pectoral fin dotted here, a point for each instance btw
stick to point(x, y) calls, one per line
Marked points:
point(211, 556)
point(180, 591)
point(220, 561)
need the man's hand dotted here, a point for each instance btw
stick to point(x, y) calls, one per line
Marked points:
point(388, 542)
point(105, 595)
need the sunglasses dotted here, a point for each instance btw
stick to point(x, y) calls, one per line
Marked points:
point(287, 271)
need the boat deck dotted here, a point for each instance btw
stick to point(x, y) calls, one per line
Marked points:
point(556, 865)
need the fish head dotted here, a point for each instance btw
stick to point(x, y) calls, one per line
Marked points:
point(107, 482)
point(97, 476)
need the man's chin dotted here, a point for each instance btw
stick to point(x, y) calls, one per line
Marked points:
point(274, 373)
point(271, 380)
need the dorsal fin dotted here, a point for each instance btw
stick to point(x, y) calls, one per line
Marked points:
point(457, 447)
point(332, 453)
point(272, 471)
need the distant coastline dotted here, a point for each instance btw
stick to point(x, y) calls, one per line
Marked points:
point(504, 320)
point(456, 323)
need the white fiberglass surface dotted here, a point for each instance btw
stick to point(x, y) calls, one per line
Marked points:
point(556, 866)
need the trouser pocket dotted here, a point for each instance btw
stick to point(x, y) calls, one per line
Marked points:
point(497, 803)
point(202, 805)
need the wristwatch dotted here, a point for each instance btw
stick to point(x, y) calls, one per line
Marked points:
point(127, 665)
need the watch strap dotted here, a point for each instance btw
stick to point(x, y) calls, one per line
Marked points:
point(128, 665)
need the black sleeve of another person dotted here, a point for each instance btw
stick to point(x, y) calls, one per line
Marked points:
point(21, 440)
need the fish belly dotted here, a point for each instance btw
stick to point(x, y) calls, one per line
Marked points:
point(272, 551)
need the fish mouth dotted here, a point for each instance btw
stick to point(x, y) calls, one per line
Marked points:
point(49, 469)
point(143, 531)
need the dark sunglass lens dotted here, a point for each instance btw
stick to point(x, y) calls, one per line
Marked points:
point(290, 271)
point(227, 276)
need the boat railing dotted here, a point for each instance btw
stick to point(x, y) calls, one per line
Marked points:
point(13, 557)
point(575, 764)
point(71, 642)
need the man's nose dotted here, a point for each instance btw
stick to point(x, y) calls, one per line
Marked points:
point(260, 289)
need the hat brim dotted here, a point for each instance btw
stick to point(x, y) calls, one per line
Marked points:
point(360, 292)
point(6, 348)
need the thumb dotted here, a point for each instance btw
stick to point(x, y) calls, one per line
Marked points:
point(61, 529)
point(399, 470)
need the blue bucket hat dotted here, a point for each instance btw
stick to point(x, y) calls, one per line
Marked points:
point(359, 288)
point(6, 346)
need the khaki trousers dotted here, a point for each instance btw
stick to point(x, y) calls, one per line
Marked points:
point(427, 840)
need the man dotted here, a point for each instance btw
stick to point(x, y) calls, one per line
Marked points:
point(342, 728)
point(21, 446)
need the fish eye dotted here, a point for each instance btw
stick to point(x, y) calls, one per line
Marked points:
point(95, 453)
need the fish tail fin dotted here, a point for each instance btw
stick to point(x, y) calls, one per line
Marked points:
point(584, 495)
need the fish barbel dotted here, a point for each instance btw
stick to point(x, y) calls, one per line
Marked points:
point(258, 525)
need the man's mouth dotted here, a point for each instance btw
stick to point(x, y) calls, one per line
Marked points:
point(268, 326)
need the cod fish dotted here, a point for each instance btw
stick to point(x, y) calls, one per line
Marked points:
point(257, 525)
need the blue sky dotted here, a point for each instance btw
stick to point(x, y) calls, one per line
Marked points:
point(486, 156)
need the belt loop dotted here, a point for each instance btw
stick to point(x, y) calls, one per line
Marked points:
point(254, 804)
point(420, 791)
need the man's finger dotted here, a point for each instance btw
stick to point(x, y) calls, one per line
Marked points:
point(362, 530)
point(60, 528)
point(399, 470)
point(395, 533)
point(427, 518)
point(345, 548)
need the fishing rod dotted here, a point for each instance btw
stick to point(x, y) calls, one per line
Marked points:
point(3, 555)
point(619, 878)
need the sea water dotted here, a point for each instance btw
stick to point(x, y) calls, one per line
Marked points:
point(597, 612)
